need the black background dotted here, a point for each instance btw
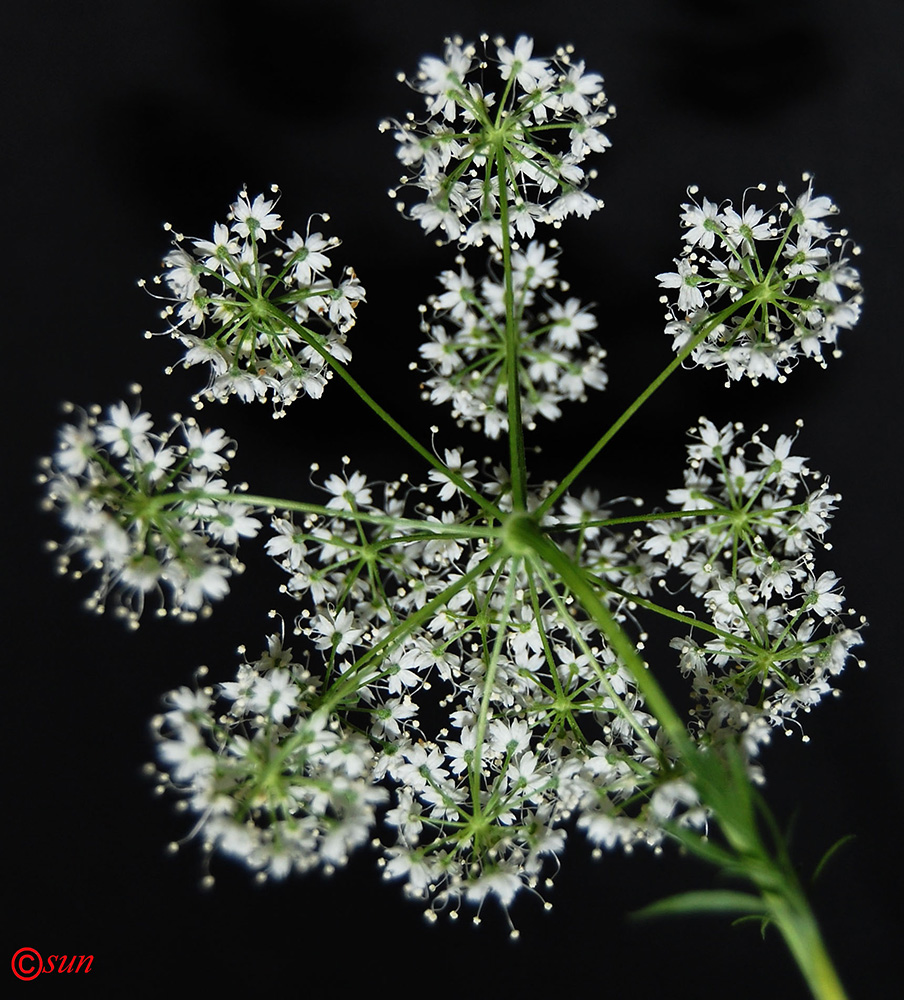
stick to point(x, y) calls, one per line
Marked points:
point(118, 116)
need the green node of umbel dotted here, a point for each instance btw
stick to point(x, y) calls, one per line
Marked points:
point(520, 533)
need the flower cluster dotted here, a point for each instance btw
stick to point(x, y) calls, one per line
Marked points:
point(147, 510)
point(543, 125)
point(466, 346)
point(777, 635)
point(474, 686)
point(762, 290)
point(277, 786)
point(248, 312)
point(494, 714)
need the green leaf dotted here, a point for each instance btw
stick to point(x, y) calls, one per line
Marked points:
point(830, 853)
point(764, 922)
point(703, 901)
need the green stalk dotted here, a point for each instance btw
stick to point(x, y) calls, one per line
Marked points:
point(576, 581)
point(343, 373)
point(483, 717)
point(798, 927)
point(517, 459)
point(708, 326)
point(430, 529)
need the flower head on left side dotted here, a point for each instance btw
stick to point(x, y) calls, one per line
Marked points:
point(147, 511)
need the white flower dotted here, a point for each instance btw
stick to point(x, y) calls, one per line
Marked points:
point(275, 695)
point(812, 211)
point(309, 256)
point(578, 86)
point(504, 885)
point(205, 447)
point(199, 583)
point(348, 493)
point(442, 80)
point(188, 756)
point(467, 470)
point(458, 297)
point(254, 219)
point(335, 631)
point(231, 522)
point(573, 202)
point(668, 540)
point(746, 228)
point(703, 223)
point(820, 598)
point(75, 449)
point(530, 73)
point(687, 281)
point(125, 431)
point(569, 322)
point(221, 250)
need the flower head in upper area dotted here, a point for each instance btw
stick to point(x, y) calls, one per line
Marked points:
point(263, 314)
point(143, 511)
point(466, 347)
point(542, 116)
point(766, 288)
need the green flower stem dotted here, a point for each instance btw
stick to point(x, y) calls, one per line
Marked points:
point(706, 328)
point(517, 458)
point(662, 515)
point(483, 717)
point(642, 602)
point(619, 702)
point(798, 926)
point(544, 638)
point(365, 397)
point(654, 697)
point(429, 529)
